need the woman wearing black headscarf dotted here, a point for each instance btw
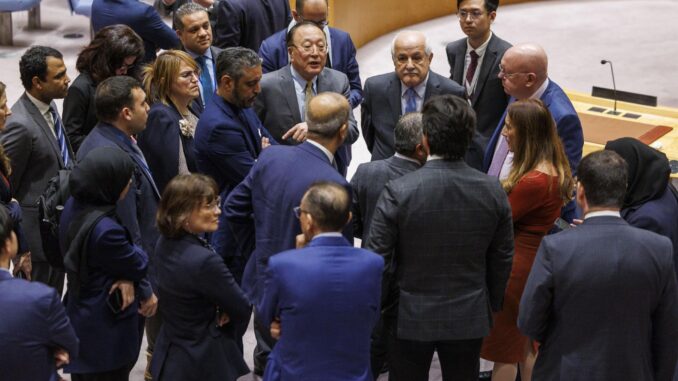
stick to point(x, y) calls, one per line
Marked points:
point(651, 201)
point(103, 267)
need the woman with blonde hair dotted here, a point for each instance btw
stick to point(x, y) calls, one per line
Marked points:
point(171, 84)
point(539, 184)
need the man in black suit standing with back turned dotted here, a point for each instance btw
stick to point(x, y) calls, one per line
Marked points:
point(446, 231)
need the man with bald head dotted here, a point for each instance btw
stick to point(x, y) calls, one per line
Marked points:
point(524, 74)
point(285, 93)
point(262, 206)
point(389, 96)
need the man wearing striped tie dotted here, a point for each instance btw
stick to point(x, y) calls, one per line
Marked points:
point(37, 146)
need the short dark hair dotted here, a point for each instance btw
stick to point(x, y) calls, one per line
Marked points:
point(449, 123)
point(183, 195)
point(408, 133)
point(603, 174)
point(107, 51)
point(289, 40)
point(185, 10)
point(6, 226)
point(33, 63)
point(232, 62)
point(299, 6)
point(329, 204)
point(490, 5)
point(114, 94)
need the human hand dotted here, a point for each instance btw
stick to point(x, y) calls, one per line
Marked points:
point(276, 329)
point(576, 222)
point(298, 132)
point(301, 241)
point(223, 319)
point(149, 306)
point(61, 357)
point(127, 290)
point(265, 143)
point(25, 265)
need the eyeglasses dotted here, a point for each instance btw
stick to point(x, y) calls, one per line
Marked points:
point(404, 60)
point(297, 211)
point(321, 24)
point(308, 48)
point(504, 74)
point(215, 204)
point(475, 14)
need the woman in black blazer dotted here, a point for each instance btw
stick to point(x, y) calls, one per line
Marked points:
point(202, 305)
point(113, 51)
point(171, 84)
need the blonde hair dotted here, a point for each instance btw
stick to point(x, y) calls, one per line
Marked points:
point(536, 140)
point(5, 166)
point(159, 75)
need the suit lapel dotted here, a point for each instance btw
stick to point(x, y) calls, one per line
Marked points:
point(432, 86)
point(393, 93)
point(287, 88)
point(40, 121)
point(489, 61)
point(248, 130)
point(459, 62)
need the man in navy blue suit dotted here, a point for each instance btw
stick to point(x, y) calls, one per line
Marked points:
point(139, 16)
point(247, 23)
point(602, 298)
point(36, 336)
point(524, 74)
point(262, 205)
point(229, 138)
point(324, 296)
point(340, 48)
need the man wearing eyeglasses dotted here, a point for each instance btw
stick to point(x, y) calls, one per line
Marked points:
point(524, 74)
point(340, 48)
point(388, 96)
point(285, 93)
point(474, 63)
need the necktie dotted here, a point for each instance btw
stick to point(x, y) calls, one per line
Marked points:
point(499, 157)
point(308, 95)
point(410, 100)
point(471, 69)
point(205, 80)
point(61, 137)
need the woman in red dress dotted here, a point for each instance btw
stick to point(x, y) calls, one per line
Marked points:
point(538, 185)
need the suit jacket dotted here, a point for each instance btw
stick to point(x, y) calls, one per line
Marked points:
point(137, 210)
point(278, 109)
point(273, 52)
point(368, 182)
point(249, 22)
point(199, 104)
point(34, 152)
point(261, 206)
point(107, 341)
point(382, 108)
point(139, 16)
point(310, 290)
point(446, 232)
point(160, 143)
point(34, 322)
point(79, 110)
point(603, 302)
point(488, 99)
point(193, 283)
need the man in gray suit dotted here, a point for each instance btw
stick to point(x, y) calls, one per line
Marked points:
point(285, 93)
point(445, 230)
point(474, 62)
point(37, 146)
point(602, 298)
point(388, 96)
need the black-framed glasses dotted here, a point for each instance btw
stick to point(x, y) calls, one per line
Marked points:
point(297, 211)
point(215, 204)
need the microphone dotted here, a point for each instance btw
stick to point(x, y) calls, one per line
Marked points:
point(614, 86)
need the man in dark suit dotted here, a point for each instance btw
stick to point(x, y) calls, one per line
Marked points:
point(340, 48)
point(247, 23)
point(524, 74)
point(35, 141)
point(474, 62)
point(445, 230)
point(602, 298)
point(139, 16)
point(285, 93)
point(326, 280)
point(262, 205)
point(388, 96)
point(229, 139)
point(36, 336)
point(192, 24)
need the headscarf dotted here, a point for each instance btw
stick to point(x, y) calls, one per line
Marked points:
point(649, 170)
point(100, 177)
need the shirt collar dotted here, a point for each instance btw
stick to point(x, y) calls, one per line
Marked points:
point(540, 91)
point(328, 234)
point(603, 213)
point(401, 156)
point(327, 152)
point(420, 89)
point(297, 77)
point(207, 54)
point(42, 106)
point(479, 50)
point(434, 157)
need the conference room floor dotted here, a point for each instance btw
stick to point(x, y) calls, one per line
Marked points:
point(576, 35)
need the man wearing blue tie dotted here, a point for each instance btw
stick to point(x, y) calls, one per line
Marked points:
point(35, 143)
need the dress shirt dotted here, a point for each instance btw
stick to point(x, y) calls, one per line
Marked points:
point(434, 157)
point(209, 62)
point(44, 110)
point(603, 213)
point(399, 156)
point(327, 152)
point(420, 90)
point(327, 234)
point(300, 90)
point(480, 51)
point(328, 38)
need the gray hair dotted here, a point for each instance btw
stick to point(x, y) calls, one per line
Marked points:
point(185, 10)
point(408, 132)
point(427, 46)
point(233, 61)
point(328, 123)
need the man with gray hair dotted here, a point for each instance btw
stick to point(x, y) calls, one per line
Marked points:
point(262, 206)
point(388, 96)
